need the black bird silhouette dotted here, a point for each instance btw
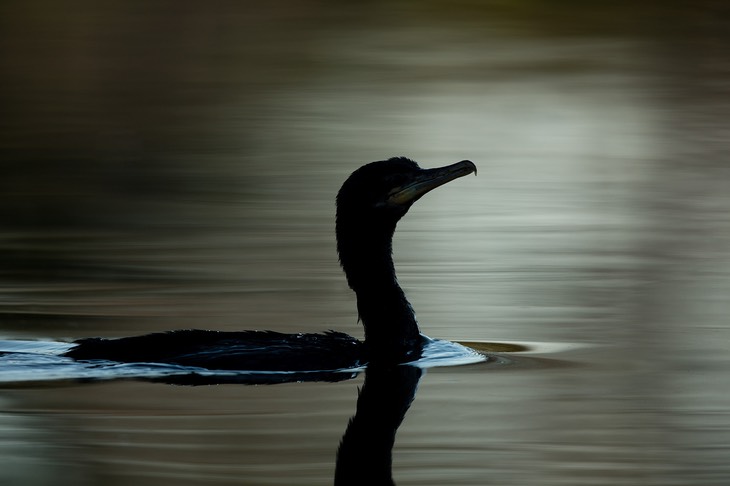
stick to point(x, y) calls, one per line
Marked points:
point(369, 205)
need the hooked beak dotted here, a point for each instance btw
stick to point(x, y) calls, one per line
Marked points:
point(429, 179)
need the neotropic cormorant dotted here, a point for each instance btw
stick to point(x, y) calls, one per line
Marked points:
point(369, 205)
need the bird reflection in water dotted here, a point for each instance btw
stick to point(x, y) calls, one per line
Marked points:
point(366, 450)
point(364, 456)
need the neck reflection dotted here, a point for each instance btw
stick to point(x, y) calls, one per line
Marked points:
point(366, 451)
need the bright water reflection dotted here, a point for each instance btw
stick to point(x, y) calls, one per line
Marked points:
point(167, 170)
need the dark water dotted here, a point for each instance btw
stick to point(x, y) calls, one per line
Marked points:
point(174, 165)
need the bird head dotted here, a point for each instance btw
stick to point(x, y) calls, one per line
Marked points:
point(385, 190)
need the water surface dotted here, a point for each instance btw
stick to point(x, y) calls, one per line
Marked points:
point(167, 170)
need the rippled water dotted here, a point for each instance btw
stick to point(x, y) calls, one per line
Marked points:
point(177, 169)
point(25, 363)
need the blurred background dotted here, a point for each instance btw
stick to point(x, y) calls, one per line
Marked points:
point(173, 164)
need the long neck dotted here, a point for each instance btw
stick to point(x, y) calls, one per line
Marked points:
point(391, 330)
